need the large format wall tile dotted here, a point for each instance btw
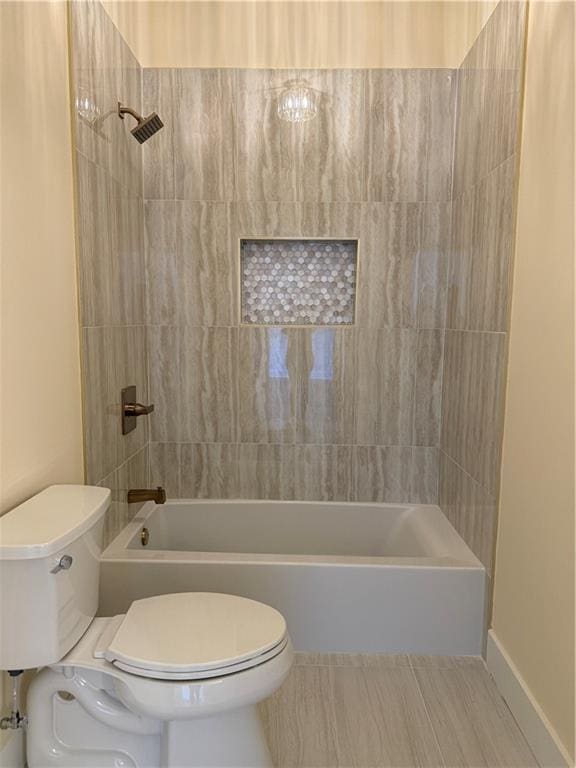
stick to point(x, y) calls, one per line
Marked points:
point(489, 84)
point(385, 362)
point(483, 209)
point(433, 264)
point(166, 296)
point(473, 402)
point(268, 376)
point(428, 387)
point(110, 238)
point(482, 247)
point(410, 115)
point(128, 260)
point(158, 153)
point(424, 479)
point(469, 507)
point(266, 472)
point(294, 220)
point(166, 423)
point(129, 348)
point(104, 72)
point(92, 79)
point(204, 120)
point(208, 263)
point(208, 384)
point(324, 472)
point(318, 398)
point(113, 358)
point(314, 161)
point(208, 471)
point(326, 371)
point(383, 473)
point(387, 275)
point(99, 403)
point(99, 294)
point(192, 261)
point(440, 135)
point(193, 375)
point(110, 224)
point(165, 468)
point(396, 474)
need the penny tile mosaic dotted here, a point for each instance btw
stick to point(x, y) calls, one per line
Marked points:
point(298, 282)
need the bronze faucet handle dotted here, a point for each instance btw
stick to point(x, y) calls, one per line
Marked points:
point(137, 409)
point(131, 409)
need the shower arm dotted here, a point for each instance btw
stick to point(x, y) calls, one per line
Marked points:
point(128, 111)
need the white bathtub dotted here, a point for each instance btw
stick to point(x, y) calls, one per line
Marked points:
point(348, 577)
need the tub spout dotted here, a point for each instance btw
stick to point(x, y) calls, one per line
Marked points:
point(157, 495)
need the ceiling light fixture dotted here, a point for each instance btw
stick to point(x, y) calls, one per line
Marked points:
point(298, 103)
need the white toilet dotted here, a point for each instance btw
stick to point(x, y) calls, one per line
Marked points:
point(173, 682)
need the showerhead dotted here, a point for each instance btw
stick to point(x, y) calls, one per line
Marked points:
point(146, 126)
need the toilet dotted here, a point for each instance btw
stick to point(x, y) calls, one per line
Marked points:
point(173, 682)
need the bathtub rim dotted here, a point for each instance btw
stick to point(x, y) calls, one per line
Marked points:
point(118, 549)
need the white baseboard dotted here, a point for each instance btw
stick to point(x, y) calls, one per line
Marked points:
point(537, 730)
point(12, 750)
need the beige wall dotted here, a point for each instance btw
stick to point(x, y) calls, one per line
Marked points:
point(533, 614)
point(40, 421)
point(353, 33)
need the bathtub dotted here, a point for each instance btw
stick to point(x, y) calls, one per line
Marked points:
point(348, 577)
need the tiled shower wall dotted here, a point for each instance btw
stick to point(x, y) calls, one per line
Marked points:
point(110, 235)
point(489, 86)
point(347, 413)
point(297, 413)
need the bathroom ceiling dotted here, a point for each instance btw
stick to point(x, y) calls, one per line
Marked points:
point(292, 33)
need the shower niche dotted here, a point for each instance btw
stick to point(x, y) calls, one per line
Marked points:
point(306, 282)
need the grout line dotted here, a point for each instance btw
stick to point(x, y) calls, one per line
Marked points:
point(293, 327)
point(492, 496)
point(484, 179)
point(292, 444)
point(427, 712)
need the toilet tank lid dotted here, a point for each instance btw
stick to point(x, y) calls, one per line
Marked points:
point(49, 521)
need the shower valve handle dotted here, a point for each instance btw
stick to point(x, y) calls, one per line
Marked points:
point(131, 409)
point(137, 409)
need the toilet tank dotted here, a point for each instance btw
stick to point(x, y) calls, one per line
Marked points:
point(49, 573)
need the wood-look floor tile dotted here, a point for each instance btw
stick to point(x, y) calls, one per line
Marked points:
point(300, 720)
point(364, 710)
point(381, 719)
point(473, 725)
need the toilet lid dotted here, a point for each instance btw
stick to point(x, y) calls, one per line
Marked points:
point(192, 635)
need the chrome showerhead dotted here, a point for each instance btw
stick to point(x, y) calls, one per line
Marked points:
point(146, 127)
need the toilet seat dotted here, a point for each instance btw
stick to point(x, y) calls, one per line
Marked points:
point(192, 636)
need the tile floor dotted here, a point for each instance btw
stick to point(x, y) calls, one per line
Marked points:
point(359, 711)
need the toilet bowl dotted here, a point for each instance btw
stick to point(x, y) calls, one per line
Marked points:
point(174, 682)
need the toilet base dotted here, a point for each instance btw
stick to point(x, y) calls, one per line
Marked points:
point(89, 727)
point(235, 738)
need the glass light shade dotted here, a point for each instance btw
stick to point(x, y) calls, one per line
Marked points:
point(297, 103)
point(86, 106)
